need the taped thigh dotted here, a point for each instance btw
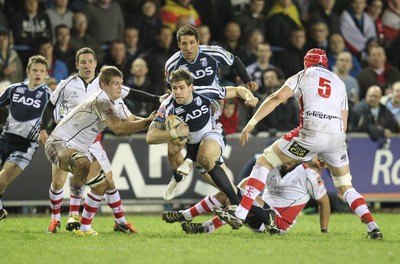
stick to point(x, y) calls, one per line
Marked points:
point(339, 181)
point(272, 158)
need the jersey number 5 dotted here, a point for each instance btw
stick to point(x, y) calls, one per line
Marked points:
point(324, 88)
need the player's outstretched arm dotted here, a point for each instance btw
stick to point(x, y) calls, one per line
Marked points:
point(243, 93)
point(324, 213)
point(120, 127)
point(269, 104)
point(240, 70)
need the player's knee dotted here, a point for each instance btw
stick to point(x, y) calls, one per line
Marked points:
point(206, 162)
point(81, 168)
point(340, 181)
point(270, 158)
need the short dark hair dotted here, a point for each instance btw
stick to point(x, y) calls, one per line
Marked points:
point(84, 50)
point(181, 75)
point(187, 30)
point(59, 27)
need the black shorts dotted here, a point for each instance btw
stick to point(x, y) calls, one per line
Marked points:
point(16, 149)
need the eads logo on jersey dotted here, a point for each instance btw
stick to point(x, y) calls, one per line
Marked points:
point(17, 98)
point(196, 113)
point(298, 150)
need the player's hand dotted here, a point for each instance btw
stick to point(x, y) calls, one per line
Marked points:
point(163, 97)
point(182, 130)
point(151, 116)
point(252, 86)
point(244, 136)
point(43, 136)
point(251, 102)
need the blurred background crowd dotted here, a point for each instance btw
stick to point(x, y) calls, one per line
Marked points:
point(271, 37)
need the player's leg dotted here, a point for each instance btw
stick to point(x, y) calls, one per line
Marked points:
point(342, 181)
point(175, 159)
point(114, 201)
point(15, 156)
point(78, 163)
point(272, 157)
point(8, 173)
point(208, 157)
point(206, 205)
point(112, 196)
point(98, 186)
point(56, 196)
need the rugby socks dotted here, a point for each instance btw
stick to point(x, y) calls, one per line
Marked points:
point(92, 202)
point(75, 199)
point(213, 224)
point(255, 185)
point(113, 199)
point(205, 205)
point(359, 207)
point(74, 205)
point(220, 178)
point(56, 199)
point(178, 177)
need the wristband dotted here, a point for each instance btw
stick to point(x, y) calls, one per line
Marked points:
point(173, 134)
point(324, 230)
point(252, 122)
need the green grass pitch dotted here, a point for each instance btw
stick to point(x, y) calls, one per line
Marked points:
point(23, 240)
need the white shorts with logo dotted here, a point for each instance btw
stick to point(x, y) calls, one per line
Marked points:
point(100, 154)
point(331, 148)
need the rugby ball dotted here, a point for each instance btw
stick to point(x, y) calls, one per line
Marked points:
point(173, 122)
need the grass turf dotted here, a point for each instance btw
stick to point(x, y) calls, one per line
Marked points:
point(23, 240)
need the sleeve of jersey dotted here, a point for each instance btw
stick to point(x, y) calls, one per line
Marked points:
point(5, 97)
point(57, 93)
point(292, 82)
point(220, 54)
point(139, 95)
point(315, 184)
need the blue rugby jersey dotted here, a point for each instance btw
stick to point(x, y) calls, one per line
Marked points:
point(205, 68)
point(25, 109)
point(197, 115)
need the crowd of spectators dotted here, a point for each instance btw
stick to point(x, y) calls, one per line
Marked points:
point(271, 37)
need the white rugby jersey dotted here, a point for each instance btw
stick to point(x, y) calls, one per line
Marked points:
point(322, 96)
point(290, 194)
point(82, 125)
point(74, 90)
